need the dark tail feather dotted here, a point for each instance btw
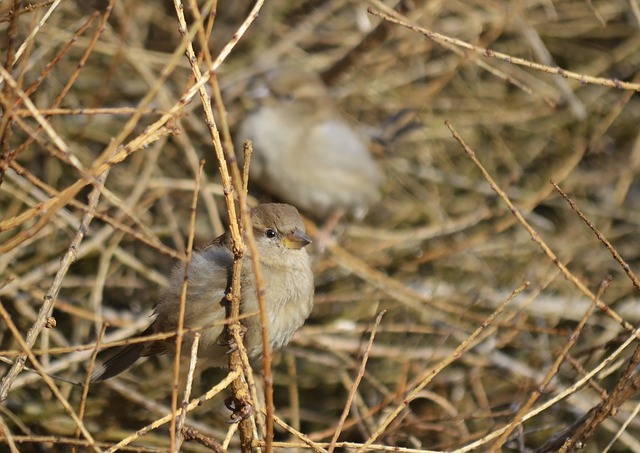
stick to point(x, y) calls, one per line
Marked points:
point(118, 363)
point(122, 359)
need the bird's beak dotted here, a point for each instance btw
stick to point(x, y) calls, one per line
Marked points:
point(296, 240)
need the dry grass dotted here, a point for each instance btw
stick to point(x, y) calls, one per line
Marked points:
point(508, 321)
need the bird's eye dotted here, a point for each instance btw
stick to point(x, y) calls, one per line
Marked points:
point(270, 233)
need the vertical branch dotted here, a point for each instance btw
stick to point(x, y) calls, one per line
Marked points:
point(226, 160)
point(264, 321)
point(188, 386)
point(356, 384)
point(183, 300)
point(87, 380)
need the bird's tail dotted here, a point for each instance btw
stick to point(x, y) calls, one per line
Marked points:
point(122, 359)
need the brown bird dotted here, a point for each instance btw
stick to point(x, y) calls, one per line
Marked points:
point(288, 284)
point(305, 151)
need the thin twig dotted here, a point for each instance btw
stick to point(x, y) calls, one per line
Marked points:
point(72, 79)
point(145, 236)
point(625, 266)
point(173, 431)
point(187, 391)
point(582, 78)
point(192, 434)
point(47, 379)
point(431, 374)
point(7, 156)
point(356, 384)
point(632, 416)
point(114, 153)
point(50, 298)
point(564, 394)
point(536, 237)
point(7, 436)
point(223, 384)
point(34, 32)
point(303, 437)
point(553, 370)
point(226, 160)
point(87, 380)
point(578, 435)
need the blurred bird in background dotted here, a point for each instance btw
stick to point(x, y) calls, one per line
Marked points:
point(305, 152)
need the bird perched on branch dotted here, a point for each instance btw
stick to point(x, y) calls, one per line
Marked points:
point(288, 291)
point(305, 152)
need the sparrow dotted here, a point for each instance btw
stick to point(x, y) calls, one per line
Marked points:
point(288, 290)
point(304, 151)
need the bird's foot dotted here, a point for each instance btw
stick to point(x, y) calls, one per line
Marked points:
point(240, 409)
point(230, 341)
